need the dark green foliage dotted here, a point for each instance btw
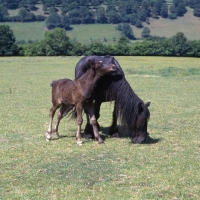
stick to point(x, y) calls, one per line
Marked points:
point(65, 23)
point(11, 4)
point(98, 11)
point(3, 13)
point(113, 17)
point(172, 16)
point(180, 44)
point(7, 42)
point(126, 30)
point(164, 11)
point(25, 16)
point(40, 17)
point(196, 11)
point(181, 10)
point(31, 4)
point(101, 16)
point(53, 21)
point(142, 14)
point(138, 24)
point(55, 43)
point(145, 32)
point(177, 9)
point(133, 19)
point(81, 16)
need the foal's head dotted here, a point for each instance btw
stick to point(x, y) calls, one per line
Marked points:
point(101, 68)
point(141, 123)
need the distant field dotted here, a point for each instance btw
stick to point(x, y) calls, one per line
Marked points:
point(27, 31)
point(96, 32)
point(165, 168)
point(188, 24)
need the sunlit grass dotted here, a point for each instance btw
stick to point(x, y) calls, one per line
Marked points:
point(32, 168)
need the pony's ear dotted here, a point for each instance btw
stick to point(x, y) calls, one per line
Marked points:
point(98, 63)
point(147, 104)
point(140, 108)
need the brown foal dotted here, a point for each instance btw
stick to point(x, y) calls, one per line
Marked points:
point(67, 94)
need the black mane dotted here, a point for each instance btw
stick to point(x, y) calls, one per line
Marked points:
point(129, 105)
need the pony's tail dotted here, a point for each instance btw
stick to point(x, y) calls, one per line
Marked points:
point(71, 112)
point(52, 83)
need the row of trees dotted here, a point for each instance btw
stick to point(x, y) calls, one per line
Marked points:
point(57, 43)
point(95, 11)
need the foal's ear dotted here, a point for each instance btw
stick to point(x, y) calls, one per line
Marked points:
point(147, 104)
point(91, 63)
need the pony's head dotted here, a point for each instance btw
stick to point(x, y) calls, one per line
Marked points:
point(140, 133)
point(101, 68)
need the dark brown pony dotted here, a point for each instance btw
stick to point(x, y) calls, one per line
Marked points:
point(67, 94)
point(128, 107)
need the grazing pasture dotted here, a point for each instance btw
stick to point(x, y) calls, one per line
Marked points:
point(166, 167)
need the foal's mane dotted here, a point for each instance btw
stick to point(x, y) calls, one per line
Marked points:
point(84, 67)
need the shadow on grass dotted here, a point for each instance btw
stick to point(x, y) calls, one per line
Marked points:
point(125, 133)
point(63, 136)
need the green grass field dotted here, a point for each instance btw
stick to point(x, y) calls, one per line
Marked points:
point(167, 167)
point(27, 31)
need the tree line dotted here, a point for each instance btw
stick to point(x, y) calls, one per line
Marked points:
point(62, 13)
point(57, 43)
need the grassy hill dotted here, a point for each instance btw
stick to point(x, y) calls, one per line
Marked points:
point(188, 24)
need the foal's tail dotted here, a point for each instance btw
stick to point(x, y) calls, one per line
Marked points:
point(71, 112)
point(52, 83)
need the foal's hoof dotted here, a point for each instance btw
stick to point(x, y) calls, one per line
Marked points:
point(100, 141)
point(48, 136)
point(80, 143)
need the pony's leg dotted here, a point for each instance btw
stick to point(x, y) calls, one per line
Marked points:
point(59, 117)
point(93, 121)
point(113, 131)
point(79, 123)
point(97, 105)
point(51, 115)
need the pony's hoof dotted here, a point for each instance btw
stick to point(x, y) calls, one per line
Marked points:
point(57, 136)
point(80, 143)
point(88, 136)
point(115, 135)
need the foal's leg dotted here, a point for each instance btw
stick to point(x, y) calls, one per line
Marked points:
point(63, 108)
point(51, 115)
point(88, 128)
point(90, 108)
point(79, 110)
point(88, 131)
